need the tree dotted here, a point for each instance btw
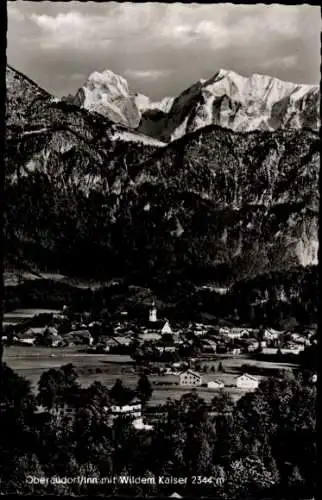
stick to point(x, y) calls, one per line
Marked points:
point(58, 386)
point(295, 479)
point(222, 402)
point(17, 476)
point(221, 367)
point(17, 422)
point(198, 365)
point(120, 394)
point(185, 437)
point(93, 438)
point(247, 477)
point(144, 388)
point(276, 423)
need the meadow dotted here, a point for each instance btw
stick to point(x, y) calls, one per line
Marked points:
point(31, 362)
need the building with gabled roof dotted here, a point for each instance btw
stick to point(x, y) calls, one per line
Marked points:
point(246, 381)
point(166, 328)
point(215, 384)
point(190, 378)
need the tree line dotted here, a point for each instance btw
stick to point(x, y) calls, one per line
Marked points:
point(265, 444)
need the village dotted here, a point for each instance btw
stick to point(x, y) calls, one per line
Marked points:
point(155, 337)
point(178, 358)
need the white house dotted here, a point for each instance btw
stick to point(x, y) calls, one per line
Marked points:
point(292, 349)
point(166, 328)
point(25, 340)
point(190, 378)
point(27, 337)
point(236, 333)
point(232, 333)
point(215, 384)
point(166, 348)
point(200, 330)
point(133, 409)
point(235, 351)
point(299, 339)
point(246, 381)
point(140, 425)
point(270, 334)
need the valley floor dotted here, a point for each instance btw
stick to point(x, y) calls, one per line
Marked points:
point(31, 362)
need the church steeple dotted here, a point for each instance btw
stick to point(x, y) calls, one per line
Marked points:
point(153, 313)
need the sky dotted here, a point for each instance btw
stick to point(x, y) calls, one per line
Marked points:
point(161, 49)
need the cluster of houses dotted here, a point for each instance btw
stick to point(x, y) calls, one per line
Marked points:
point(49, 336)
point(159, 335)
point(191, 378)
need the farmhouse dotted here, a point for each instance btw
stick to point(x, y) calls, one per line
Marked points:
point(270, 334)
point(36, 330)
point(246, 381)
point(149, 336)
point(233, 333)
point(236, 333)
point(299, 339)
point(27, 338)
point(215, 384)
point(140, 425)
point(292, 349)
point(209, 345)
point(190, 378)
point(133, 409)
point(166, 348)
point(107, 343)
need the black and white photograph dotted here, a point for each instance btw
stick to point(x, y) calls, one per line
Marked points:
point(160, 250)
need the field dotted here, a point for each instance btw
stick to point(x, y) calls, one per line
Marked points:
point(19, 315)
point(31, 362)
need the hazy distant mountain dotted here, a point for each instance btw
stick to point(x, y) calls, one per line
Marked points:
point(85, 195)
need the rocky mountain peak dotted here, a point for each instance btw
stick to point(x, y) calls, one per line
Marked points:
point(107, 80)
point(230, 100)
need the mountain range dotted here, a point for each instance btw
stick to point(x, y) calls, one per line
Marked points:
point(220, 181)
point(227, 99)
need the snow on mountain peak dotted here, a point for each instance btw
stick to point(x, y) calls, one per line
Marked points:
point(144, 103)
point(109, 80)
point(227, 99)
point(109, 94)
point(244, 103)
